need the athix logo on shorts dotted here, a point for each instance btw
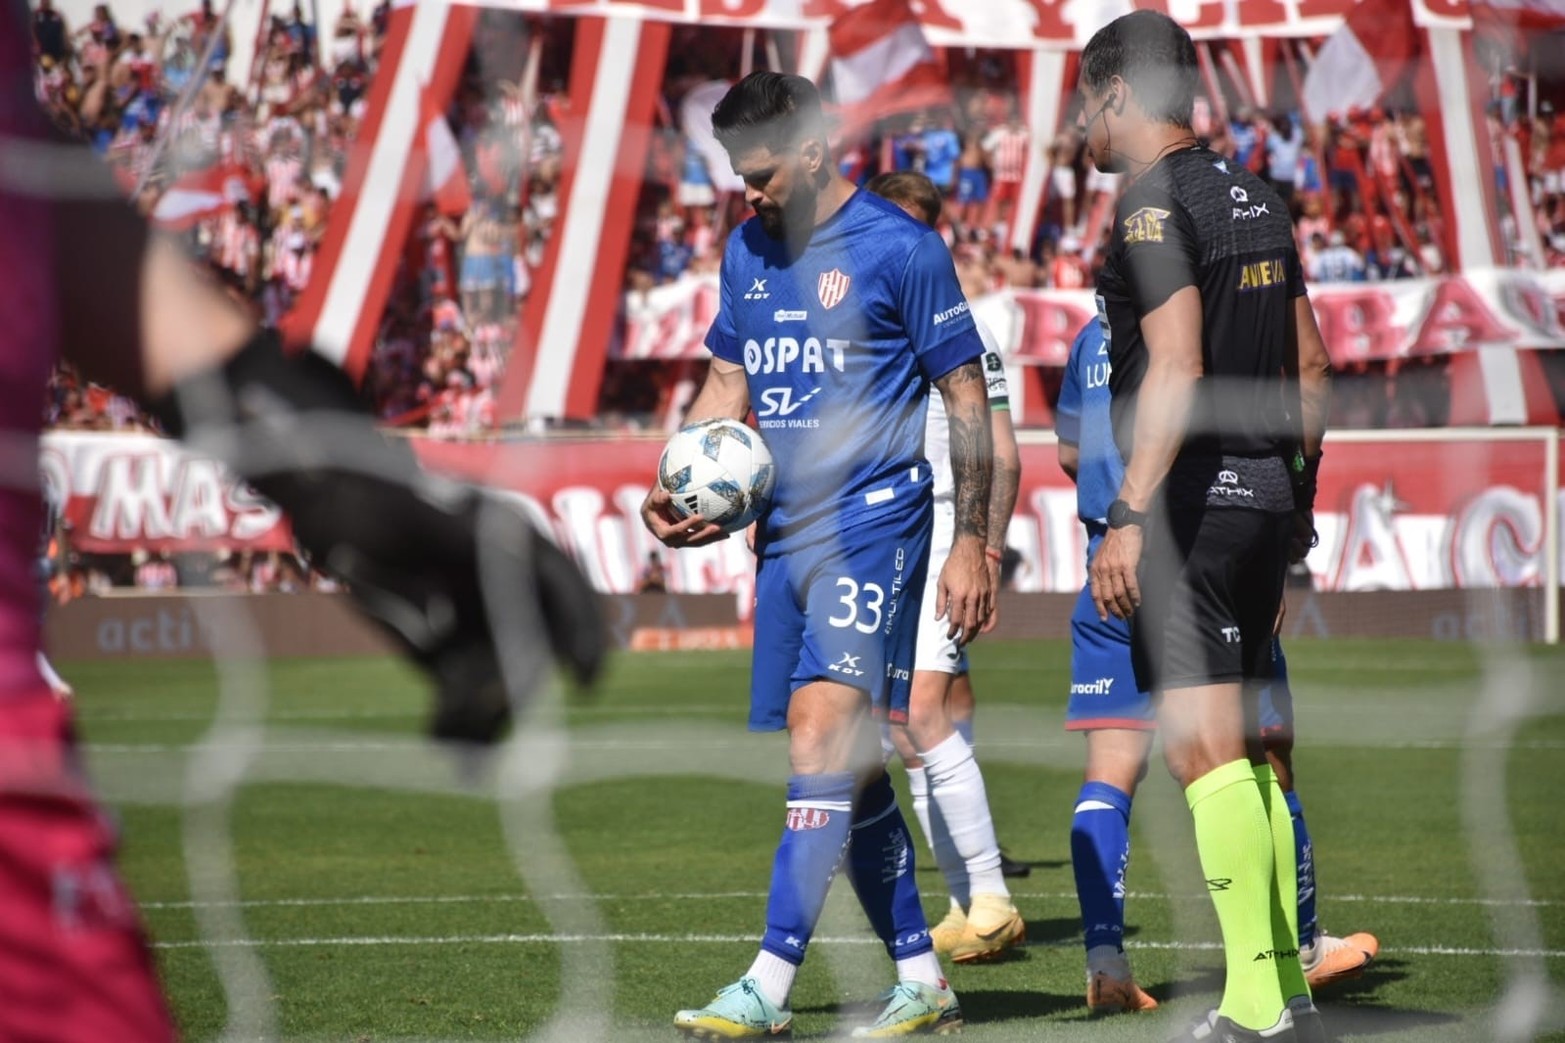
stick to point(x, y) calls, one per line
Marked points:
point(800, 819)
point(950, 313)
point(1228, 487)
point(832, 288)
point(757, 292)
point(848, 664)
point(1099, 687)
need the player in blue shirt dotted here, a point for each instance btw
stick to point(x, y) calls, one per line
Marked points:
point(836, 312)
point(1118, 718)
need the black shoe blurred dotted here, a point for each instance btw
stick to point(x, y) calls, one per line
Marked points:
point(1009, 867)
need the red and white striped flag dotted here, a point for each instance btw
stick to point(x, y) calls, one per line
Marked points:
point(882, 65)
point(445, 178)
point(202, 194)
point(1363, 59)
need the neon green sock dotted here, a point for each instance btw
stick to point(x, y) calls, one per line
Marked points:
point(1285, 889)
point(1234, 837)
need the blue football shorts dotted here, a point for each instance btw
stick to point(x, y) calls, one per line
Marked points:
point(1103, 692)
point(844, 611)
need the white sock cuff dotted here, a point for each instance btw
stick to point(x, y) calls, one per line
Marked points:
point(917, 782)
point(947, 755)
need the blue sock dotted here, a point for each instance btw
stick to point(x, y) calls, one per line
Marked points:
point(1304, 853)
point(1100, 852)
point(820, 810)
point(964, 729)
point(880, 866)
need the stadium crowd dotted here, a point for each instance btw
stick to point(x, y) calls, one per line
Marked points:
point(159, 104)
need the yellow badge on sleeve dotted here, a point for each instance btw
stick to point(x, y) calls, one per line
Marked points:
point(1145, 226)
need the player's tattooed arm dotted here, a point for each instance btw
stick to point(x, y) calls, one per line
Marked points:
point(972, 446)
point(966, 589)
point(1007, 476)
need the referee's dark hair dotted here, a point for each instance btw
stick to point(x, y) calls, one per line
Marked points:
point(909, 188)
point(1151, 52)
point(768, 108)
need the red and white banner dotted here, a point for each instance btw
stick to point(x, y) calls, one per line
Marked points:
point(1496, 308)
point(1007, 23)
point(563, 339)
point(202, 194)
point(881, 64)
point(1421, 511)
point(123, 492)
point(1362, 60)
point(445, 178)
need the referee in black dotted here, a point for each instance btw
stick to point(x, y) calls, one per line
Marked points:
point(1219, 387)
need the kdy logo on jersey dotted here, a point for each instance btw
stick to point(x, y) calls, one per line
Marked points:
point(1145, 226)
point(832, 288)
point(757, 291)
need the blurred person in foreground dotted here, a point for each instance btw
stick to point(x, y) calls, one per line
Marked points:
point(837, 311)
point(1117, 716)
point(1219, 387)
point(950, 800)
point(79, 271)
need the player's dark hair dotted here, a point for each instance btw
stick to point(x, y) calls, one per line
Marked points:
point(910, 188)
point(1151, 52)
point(767, 108)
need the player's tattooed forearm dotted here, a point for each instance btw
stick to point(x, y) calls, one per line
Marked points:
point(1003, 488)
point(972, 446)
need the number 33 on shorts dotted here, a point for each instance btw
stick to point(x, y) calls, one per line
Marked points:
point(861, 605)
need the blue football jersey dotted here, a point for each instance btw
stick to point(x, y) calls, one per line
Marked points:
point(1082, 419)
point(839, 345)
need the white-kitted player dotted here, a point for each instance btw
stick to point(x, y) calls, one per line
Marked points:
point(936, 743)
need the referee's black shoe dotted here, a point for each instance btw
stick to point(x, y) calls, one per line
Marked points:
point(1010, 867)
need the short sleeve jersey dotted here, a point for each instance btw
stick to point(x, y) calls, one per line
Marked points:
point(839, 344)
point(937, 429)
point(1197, 219)
point(1081, 418)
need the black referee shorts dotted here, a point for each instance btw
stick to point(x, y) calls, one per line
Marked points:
point(1211, 583)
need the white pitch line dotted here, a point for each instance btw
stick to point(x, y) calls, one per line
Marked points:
point(736, 939)
point(698, 896)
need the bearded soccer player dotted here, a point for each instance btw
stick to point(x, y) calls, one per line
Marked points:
point(1219, 387)
point(949, 797)
point(1117, 717)
point(79, 270)
point(836, 313)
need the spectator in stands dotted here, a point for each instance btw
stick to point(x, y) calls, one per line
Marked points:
point(972, 181)
point(942, 148)
point(1284, 148)
point(653, 579)
point(51, 34)
point(1005, 148)
point(1335, 261)
point(1069, 271)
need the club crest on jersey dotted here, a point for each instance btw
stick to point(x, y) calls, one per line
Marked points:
point(832, 288)
point(1145, 225)
point(807, 818)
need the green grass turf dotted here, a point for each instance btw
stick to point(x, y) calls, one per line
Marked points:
point(347, 827)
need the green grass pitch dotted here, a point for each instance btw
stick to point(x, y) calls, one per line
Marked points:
point(389, 896)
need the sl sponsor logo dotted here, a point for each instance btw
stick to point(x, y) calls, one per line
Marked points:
point(1249, 210)
point(832, 287)
point(960, 308)
point(757, 291)
point(1145, 225)
point(848, 664)
point(1101, 686)
point(1221, 883)
point(780, 401)
point(801, 819)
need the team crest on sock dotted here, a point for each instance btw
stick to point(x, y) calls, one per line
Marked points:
point(800, 819)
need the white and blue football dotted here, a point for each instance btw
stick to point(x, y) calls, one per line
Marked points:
point(719, 469)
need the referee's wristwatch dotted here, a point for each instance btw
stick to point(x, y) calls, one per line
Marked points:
point(1121, 515)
